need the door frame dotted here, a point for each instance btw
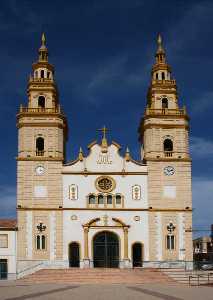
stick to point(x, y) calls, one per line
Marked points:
point(4, 260)
point(142, 249)
point(79, 253)
point(119, 244)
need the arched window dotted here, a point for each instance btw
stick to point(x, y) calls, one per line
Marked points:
point(36, 74)
point(164, 103)
point(100, 199)
point(41, 102)
point(42, 73)
point(48, 74)
point(168, 145)
point(109, 199)
point(163, 75)
point(40, 146)
point(156, 76)
point(92, 199)
point(118, 199)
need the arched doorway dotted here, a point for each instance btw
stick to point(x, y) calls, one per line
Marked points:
point(106, 250)
point(74, 255)
point(137, 254)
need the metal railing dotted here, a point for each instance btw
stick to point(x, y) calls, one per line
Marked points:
point(198, 278)
point(40, 109)
point(165, 111)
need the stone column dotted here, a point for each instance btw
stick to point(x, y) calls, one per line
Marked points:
point(86, 250)
point(86, 260)
point(126, 243)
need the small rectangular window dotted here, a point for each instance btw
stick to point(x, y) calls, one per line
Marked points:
point(3, 241)
point(170, 242)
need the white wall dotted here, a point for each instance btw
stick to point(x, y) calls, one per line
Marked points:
point(10, 253)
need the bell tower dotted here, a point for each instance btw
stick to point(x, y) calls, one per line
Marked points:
point(42, 134)
point(164, 135)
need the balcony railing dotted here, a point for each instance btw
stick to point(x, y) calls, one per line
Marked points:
point(46, 80)
point(40, 109)
point(165, 111)
point(172, 81)
point(40, 153)
point(168, 153)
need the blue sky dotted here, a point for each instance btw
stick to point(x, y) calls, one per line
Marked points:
point(103, 52)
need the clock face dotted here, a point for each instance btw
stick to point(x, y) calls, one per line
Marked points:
point(39, 170)
point(169, 170)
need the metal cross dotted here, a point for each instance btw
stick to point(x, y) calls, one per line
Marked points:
point(104, 131)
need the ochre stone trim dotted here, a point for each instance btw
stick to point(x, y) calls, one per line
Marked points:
point(110, 209)
point(85, 173)
point(168, 159)
point(43, 124)
point(42, 158)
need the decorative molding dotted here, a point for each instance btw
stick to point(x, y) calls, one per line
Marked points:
point(109, 209)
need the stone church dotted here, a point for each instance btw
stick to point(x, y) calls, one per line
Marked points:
point(103, 209)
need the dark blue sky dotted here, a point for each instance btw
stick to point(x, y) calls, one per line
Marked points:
point(103, 51)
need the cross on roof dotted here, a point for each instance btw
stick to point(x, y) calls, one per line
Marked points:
point(104, 131)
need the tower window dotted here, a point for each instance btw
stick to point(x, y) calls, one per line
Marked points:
point(156, 76)
point(164, 103)
point(40, 146)
point(41, 102)
point(170, 242)
point(40, 242)
point(163, 75)
point(42, 73)
point(92, 199)
point(168, 146)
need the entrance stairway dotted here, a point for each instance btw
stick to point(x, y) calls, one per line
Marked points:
point(98, 275)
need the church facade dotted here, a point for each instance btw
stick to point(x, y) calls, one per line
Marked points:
point(103, 209)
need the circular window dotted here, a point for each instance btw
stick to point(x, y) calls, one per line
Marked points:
point(105, 184)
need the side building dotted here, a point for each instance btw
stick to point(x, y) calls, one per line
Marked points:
point(8, 240)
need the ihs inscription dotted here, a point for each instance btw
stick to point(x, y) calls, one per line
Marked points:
point(104, 159)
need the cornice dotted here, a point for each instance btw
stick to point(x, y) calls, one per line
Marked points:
point(86, 173)
point(105, 209)
point(37, 158)
point(167, 159)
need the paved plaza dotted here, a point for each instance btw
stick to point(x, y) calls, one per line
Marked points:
point(19, 291)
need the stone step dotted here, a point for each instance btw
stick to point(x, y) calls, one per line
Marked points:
point(76, 275)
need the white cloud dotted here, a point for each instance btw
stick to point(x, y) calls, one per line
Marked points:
point(201, 147)
point(7, 201)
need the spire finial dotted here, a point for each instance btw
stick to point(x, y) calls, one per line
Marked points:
point(43, 39)
point(160, 44)
point(127, 154)
point(104, 144)
point(80, 154)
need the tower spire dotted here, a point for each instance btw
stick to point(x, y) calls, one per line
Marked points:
point(160, 53)
point(43, 52)
point(43, 39)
